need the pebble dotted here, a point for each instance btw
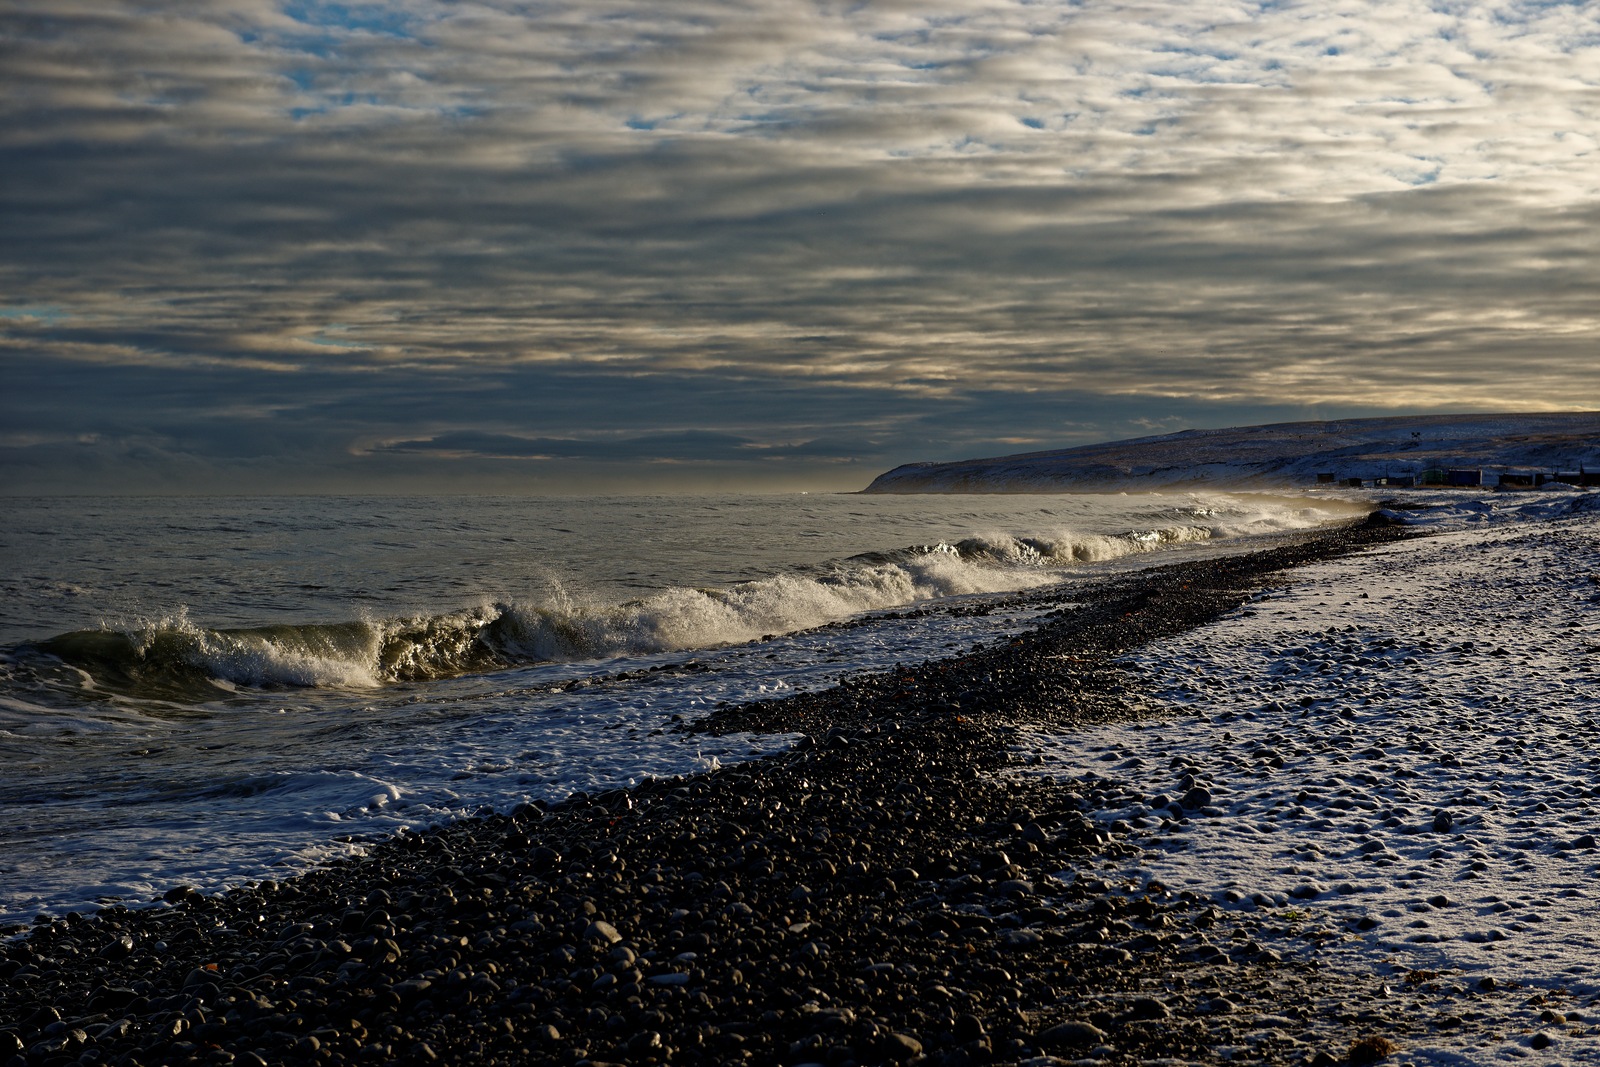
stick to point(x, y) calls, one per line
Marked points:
point(1071, 1034)
point(942, 920)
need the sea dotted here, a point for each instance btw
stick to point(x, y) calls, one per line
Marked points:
point(216, 691)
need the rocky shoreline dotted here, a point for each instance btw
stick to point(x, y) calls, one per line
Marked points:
point(885, 892)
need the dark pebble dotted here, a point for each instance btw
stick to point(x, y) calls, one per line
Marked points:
point(1072, 1034)
point(882, 896)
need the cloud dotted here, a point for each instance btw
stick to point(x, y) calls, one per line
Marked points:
point(684, 445)
point(1214, 207)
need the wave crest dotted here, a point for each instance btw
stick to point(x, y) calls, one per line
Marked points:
point(175, 658)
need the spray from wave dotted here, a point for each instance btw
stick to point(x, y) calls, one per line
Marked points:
point(177, 659)
point(173, 658)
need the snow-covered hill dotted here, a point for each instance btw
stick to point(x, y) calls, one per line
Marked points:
point(1288, 454)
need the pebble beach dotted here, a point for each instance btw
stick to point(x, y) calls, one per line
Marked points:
point(926, 876)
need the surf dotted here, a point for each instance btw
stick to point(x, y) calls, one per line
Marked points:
point(174, 658)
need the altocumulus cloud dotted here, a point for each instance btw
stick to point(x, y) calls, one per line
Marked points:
point(347, 237)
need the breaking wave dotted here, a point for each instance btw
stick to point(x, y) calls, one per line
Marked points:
point(175, 658)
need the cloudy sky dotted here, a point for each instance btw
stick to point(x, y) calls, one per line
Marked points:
point(615, 244)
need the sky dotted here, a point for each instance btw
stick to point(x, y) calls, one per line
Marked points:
point(621, 245)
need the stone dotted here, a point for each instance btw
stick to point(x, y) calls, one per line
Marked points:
point(901, 1048)
point(117, 948)
point(1148, 1008)
point(1071, 1034)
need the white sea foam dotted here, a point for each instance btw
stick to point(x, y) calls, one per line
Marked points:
point(305, 778)
point(564, 624)
point(252, 749)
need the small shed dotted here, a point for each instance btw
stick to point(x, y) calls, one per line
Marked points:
point(1432, 476)
point(1463, 476)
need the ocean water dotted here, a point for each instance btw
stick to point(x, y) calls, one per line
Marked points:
point(213, 691)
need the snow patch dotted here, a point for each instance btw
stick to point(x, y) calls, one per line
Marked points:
point(1399, 747)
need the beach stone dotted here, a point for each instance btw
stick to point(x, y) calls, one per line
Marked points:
point(901, 1048)
point(1018, 940)
point(1148, 1008)
point(117, 948)
point(670, 978)
point(1071, 1034)
point(411, 988)
point(602, 932)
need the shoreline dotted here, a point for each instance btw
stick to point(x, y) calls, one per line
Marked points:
point(879, 893)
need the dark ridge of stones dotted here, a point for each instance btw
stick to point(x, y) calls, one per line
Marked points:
point(1058, 675)
point(877, 895)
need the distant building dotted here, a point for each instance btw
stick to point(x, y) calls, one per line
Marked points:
point(1396, 481)
point(1432, 476)
point(1326, 479)
point(1353, 483)
point(1519, 481)
point(1584, 478)
point(1463, 476)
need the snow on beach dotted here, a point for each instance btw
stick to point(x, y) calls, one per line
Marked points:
point(1401, 747)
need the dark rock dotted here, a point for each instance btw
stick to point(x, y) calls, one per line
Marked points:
point(1071, 1034)
point(118, 948)
point(1148, 1008)
point(900, 1048)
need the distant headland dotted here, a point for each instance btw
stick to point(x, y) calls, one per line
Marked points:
point(1510, 451)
